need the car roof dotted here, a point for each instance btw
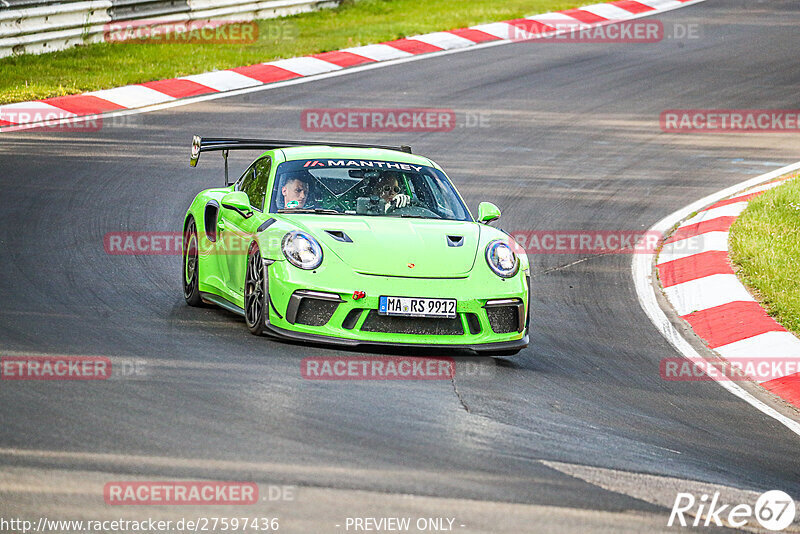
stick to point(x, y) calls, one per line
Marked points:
point(380, 154)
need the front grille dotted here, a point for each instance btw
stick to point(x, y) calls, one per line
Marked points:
point(503, 319)
point(352, 318)
point(473, 323)
point(315, 312)
point(422, 326)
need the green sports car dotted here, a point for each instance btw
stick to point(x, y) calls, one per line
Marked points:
point(353, 244)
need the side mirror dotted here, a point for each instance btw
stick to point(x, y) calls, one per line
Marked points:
point(487, 212)
point(239, 202)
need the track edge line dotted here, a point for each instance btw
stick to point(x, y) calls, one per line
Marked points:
point(642, 267)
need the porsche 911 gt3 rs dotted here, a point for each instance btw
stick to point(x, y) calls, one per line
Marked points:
point(353, 244)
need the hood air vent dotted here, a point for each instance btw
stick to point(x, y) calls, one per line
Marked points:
point(338, 235)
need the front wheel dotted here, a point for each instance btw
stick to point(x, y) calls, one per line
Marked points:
point(191, 263)
point(256, 297)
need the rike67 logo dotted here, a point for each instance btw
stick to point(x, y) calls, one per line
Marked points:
point(774, 510)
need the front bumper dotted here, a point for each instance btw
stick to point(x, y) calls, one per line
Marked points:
point(348, 321)
point(316, 338)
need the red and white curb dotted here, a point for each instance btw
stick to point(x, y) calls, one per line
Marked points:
point(697, 278)
point(160, 94)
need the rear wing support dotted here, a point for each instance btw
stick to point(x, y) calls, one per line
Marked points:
point(225, 157)
point(225, 145)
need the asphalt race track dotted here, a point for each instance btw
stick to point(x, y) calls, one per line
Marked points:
point(570, 140)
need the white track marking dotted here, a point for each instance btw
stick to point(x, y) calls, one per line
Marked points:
point(728, 210)
point(706, 292)
point(444, 40)
point(379, 52)
point(22, 111)
point(132, 96)
point(765, 187)
point(660, 4)
point(696, 244)
point(222, 80)
point(560, 21)
point(608, 11)
point(503, 30)
point(642, 272)
point(777, 344)
point(305, 66)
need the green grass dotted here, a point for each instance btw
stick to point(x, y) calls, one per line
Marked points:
point(353, 23)
point(765, 249)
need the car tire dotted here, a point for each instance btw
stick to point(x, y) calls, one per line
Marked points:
point(191, 264)
point(256, 292)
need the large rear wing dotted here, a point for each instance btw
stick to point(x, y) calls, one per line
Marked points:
point(224, 144)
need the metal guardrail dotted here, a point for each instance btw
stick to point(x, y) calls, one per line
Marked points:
point(18, 4)
point(138, 9)
point(36, 26)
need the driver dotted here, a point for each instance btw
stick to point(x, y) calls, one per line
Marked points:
point(295, 193)
point(388, 189)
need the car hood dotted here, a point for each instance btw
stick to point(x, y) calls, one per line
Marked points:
point(393, 246)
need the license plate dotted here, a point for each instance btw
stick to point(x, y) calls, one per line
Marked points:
point(417, 307)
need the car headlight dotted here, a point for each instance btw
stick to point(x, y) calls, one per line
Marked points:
point(302, 250)
point(501, 259)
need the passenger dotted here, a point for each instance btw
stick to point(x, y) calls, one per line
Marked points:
point(388, 189)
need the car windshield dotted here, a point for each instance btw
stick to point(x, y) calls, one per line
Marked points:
point(372, 188)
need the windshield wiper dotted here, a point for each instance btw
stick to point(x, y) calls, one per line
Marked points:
point(310, 210)
point(409, 216)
